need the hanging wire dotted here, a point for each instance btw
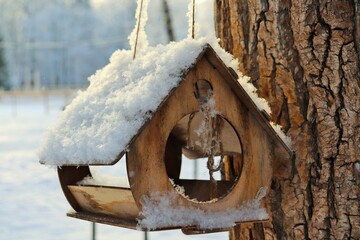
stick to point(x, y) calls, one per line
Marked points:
point(138, 28)
point(193, 20)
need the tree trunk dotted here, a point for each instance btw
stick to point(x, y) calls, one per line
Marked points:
point(167, 18)
point(303, 56)
point(4, 81)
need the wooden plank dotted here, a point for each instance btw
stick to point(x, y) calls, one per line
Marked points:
point(193, 230)
point(113, 201)
point(232, 167)
point(145, 159)
point(262, 151)
point(229, 76)
point(71, 175)
point(130, 223)
point(228, 137)
point(201, 189)
point(173, 157)
point(247, 231)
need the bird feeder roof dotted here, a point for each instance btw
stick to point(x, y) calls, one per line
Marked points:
point(98, 126)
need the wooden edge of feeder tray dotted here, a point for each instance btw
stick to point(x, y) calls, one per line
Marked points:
point(70, 175)
point(119, 201)
point(193, 230)
point(131, 223)
point(111, 201)
point(121, 210)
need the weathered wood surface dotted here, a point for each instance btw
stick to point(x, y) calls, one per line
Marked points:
point(69, 175)
point(191, 230)
point(228, 137)
point(303, 56)
point(150, 162)
point(145, 160)
point(232, 167)
point(201, 189)
point(112, 201)
point(281, 150)
point(130, 223)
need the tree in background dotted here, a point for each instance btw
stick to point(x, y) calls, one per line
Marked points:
point(303, 56)
point(4, 80)
point(167, 18)
point(61, 42)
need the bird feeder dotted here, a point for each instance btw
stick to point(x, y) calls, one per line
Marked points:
point(208, 115)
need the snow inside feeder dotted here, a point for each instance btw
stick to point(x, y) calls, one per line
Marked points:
point(177, 102)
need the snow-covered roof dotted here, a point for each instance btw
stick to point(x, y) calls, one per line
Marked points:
point(102, 120)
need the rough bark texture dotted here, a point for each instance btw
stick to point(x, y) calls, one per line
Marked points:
point(303, 56)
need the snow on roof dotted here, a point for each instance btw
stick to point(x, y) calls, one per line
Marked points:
point(101, 121)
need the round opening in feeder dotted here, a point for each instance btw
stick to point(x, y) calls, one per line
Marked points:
point(203, 156)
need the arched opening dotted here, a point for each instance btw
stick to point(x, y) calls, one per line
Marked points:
point(191, 145)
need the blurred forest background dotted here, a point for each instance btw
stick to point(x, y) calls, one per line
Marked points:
point(48, 49)
point(58, 44)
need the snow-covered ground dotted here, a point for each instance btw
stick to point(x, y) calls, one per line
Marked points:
point(32, 205)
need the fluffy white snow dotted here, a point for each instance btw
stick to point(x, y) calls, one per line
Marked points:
point(160, 211)
point(102, 120)
point(286, 139)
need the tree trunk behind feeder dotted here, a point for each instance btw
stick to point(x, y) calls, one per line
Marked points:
point(303, 56)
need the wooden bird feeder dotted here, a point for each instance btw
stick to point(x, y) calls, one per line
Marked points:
point(209, 103)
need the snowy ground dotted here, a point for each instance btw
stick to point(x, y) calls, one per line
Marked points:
point(32, 205)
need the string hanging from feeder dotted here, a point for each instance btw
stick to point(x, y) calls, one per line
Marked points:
point(193, 20)
point(209, 133)
point(138, 28)
point(213, 123)
point(138, 38)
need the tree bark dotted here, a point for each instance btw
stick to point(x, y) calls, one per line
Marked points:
point(303, 56)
